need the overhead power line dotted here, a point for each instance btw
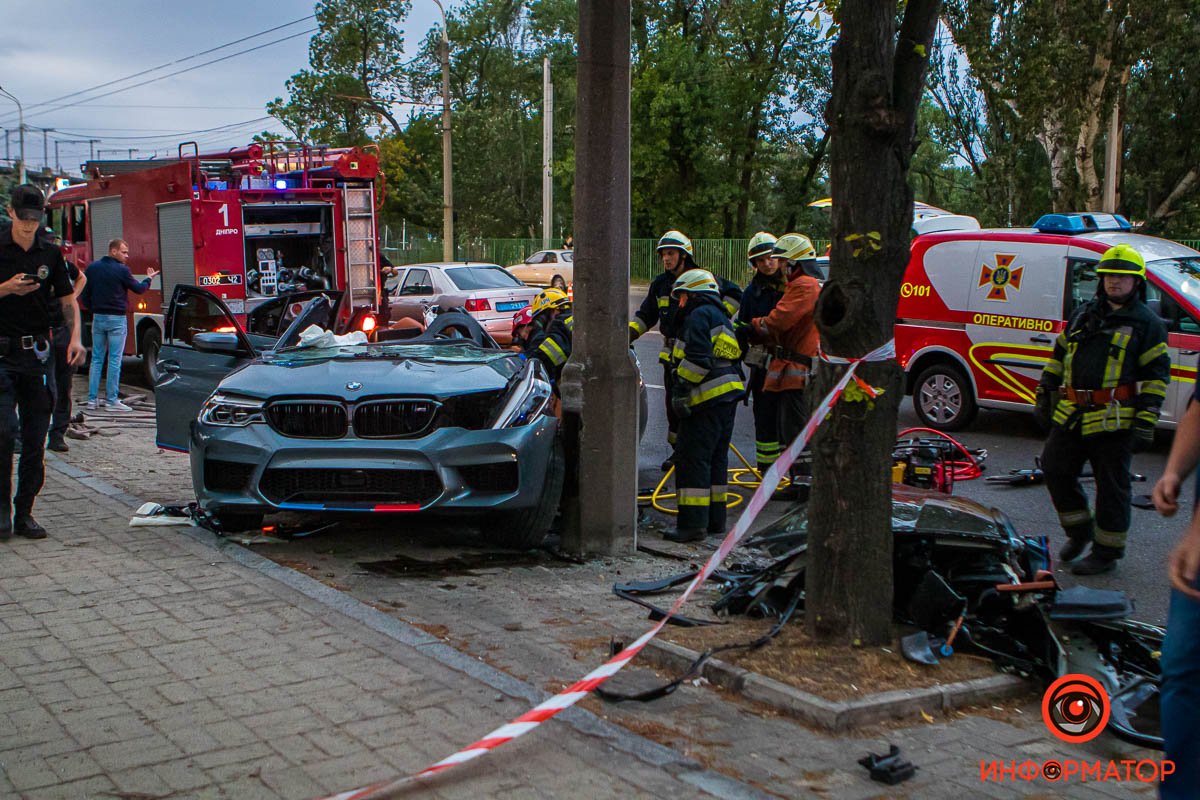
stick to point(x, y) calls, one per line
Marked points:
point(165, 135)
point(171, 63)
point(170, 74)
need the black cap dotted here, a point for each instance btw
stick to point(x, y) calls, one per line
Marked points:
point(28, 202)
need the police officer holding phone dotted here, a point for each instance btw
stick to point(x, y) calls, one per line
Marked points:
point(33, 277)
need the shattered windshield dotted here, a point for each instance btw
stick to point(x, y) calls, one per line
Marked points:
point(449, 352)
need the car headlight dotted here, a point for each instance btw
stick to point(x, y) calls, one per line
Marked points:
point(231, 410)
point(527, 399)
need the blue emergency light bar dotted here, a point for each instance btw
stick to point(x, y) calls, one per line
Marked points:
point(1081, 222)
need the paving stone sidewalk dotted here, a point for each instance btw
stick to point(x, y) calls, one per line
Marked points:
point(149, 663)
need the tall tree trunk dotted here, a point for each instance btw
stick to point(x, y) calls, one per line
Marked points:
point(1052, 138)
point(878, 79)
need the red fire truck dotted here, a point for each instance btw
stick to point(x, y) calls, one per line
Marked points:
point(249, 224)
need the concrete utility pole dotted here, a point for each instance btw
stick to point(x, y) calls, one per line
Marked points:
point(21, 129)
point(447, 160)
point(547, 154)
point(46, 148)
point(599, 383)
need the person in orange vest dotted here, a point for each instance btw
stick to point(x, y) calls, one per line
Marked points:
point(790, 333)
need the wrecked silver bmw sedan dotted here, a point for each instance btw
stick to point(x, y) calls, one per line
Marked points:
point(446, 421)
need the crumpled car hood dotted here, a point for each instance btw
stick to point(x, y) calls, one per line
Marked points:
point(304, 374)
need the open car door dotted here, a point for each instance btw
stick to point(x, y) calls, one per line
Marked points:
point(202, 344)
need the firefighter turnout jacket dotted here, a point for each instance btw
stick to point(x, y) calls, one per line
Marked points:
point(792, 329)
point(554, 348)
point(707, 370)
point(1113, 365)
point(659, 309)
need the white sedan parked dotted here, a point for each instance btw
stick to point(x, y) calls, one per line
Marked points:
point(487, 292)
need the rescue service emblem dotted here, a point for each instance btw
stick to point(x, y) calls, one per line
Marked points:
point(1000, 277)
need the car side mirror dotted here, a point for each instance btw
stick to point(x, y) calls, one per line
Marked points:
point(223, 343)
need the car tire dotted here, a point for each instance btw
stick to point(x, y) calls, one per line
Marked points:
point(150, 345)
point(943, 398)
point(527, 528)
point(558, 282)
point(235, 521)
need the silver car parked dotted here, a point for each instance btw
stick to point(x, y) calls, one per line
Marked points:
point(488, 292)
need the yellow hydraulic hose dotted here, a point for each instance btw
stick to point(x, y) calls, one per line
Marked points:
point(737, 477)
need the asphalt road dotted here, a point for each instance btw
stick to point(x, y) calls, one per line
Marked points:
point(1013, 442)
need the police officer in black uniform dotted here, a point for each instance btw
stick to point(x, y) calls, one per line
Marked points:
point(1113, 367)
point(33, 276)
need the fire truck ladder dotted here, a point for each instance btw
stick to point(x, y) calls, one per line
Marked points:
point(361, 265)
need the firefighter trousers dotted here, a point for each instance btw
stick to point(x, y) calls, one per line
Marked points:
point(1110, 455)
point(766, 427)
point(793, 416)
point(672, 417)
point(701, 465)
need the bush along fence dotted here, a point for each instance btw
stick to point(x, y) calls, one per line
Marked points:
point(725, 257)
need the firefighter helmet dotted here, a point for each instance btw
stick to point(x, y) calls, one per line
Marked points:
point(675, 239)
point(697, 281)
point(1122, 260)
point(522, 317)
point(794, 247)
point(548, 300)
point(761, 244)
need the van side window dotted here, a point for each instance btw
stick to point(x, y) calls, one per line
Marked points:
point(1082, 282)
point(1174, 316)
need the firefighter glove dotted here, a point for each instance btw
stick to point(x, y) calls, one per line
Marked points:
point(679, 404)
point(1143, 436)
point(1043, 405)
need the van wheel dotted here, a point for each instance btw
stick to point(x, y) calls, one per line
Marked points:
point(943, 398)
point(557, 282)
point(527, 528)
point(151, 343)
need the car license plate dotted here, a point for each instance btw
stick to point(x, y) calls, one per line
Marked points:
point(516, 305)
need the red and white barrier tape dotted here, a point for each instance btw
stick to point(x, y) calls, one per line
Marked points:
point(580, 689)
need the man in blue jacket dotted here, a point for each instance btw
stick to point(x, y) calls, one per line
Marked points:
point(108, 281)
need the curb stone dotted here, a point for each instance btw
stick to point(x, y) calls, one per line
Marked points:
point(618, 738)
point(836, 716)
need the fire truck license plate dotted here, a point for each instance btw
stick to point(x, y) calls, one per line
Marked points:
point(220, 280)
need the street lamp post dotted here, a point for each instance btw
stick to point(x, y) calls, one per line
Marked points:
point(21, 127)
point(447, 160)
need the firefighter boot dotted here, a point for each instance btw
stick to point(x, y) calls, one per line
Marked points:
point(1073, 549)
point(1077, 525)
point(1099, 561)
point(684, 535)
point(717, 514)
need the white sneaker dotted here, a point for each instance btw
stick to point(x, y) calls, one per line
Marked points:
point(117, 405)
point(93, 405)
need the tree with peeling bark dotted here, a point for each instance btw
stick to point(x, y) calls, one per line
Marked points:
point(878, 80)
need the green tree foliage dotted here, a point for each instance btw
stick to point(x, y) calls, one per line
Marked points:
point(356, 74)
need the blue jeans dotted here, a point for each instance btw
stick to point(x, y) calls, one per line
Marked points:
point(108, 338)
point(1180, 697)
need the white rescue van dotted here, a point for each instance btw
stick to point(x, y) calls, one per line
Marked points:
point(979, 311)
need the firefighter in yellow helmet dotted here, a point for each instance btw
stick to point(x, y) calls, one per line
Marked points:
point(678, 256)
point(555, 326)
point(1101, 392)
point(758, 299)
point(706, 385)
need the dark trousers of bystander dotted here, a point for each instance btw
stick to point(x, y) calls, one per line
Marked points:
point(26, 404)
point(1180, 697)
point(63, 375)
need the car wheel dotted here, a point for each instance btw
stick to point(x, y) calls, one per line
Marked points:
point(943, 398)
point(557, 282)
point(151, 342)
point(527, 528)
point(232, 522)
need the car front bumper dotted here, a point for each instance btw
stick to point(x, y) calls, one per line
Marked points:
point(254, 469)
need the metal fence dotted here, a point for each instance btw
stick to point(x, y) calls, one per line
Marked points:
point(725, 257)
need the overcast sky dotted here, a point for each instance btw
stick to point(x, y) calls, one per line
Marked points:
point(55, 49)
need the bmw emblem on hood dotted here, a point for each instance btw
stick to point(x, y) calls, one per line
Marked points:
point(353, 386)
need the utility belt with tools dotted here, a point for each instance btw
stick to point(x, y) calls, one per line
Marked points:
point(760, 356)
point(1098, 398)
point(37, 344)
